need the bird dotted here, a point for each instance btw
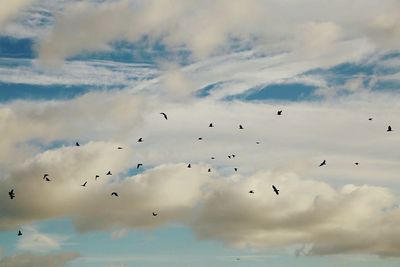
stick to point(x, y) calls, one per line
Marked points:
point(97, 176)
point(241, 127)
point(322, 163)
point(120, 147)
point(200, 138)
point(84, 184)
point(238, 259)
point(138, 165)
point(212, 157)
point(108, 173)
point(140, 140)
point(370, 119)
point(257, 143)
point(275, 190)
point(279, 112)
point(165, 115)
point(154, 214)
point(19, 233)
point(189, 166)
point(229, 156)
point(11, 194)
point(235, 169)
point(46, 177)
point(209, 169)
point(356, 163)
point(210, 125)
point(114, 194)
point(233, 155)
point(77, 144)
point(251, 192)
point(389, 129)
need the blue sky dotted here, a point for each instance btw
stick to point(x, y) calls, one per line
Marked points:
point(100, 73)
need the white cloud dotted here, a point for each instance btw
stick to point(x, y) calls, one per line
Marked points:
point(11, 8)
point(33, 240)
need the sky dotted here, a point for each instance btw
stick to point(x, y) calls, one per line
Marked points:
point(100, 72)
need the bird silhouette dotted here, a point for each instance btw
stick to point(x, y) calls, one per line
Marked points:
point(189, 166)
point(120, 147)
point(356, 163)
point(241, 127)
point(212, 157)
point(275, 190)
point(257, 143)
point(322, 163)
point(238, 259)
point(279, 112)
point(138, 165)
point(209, 170)
point(19, 233)
point(47, 179)
point(45, 175)
point(108, 173)
point(77, 144)
point(251, 192)
point(370, 119)
point(84, 184)
point(235, 169)
point(233, 155)
point(210, 125)
point(11, 194)
point(229, 156)
point(97, 176)
point(114, 194)
point(140, 140)
point(154, 214)
point(389, 129)
point(200, 138)
point(165, 115)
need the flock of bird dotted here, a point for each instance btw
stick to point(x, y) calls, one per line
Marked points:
point(115, 194)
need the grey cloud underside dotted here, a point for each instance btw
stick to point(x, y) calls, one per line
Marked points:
point(31, 260)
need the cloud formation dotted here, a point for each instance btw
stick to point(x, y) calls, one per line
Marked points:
point(10, 9)
point(31, 260)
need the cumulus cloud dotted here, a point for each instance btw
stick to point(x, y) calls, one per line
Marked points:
point(11, 8)
point(31, 260)
point(33, 240)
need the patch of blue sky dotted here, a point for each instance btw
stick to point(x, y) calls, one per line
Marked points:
point(278, 92)
point(207, 90)
point(14, 91)
point(12, 47)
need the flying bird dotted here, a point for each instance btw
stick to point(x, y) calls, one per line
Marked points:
point(257, 143)
point(120, 147)
point(241, 127)
point(370, 119)
point(77, 144)
point(389, 129)
point(140, 140)
point(108, 173)
point(233, 155)
point(210, 125)
point(84, 184)
point(46, 177)
point(322, 163)
point(114, 194)
point(200, 138)
point(19, 233)
point(165, 115)
point(138, 165)
point(279, 112)
point(229, 156)
point(189, 166)
point(275, 190)
point(235, 169)
point(154, 214)
point(356, 163)
point(11, 194)
point(209, 169)
point(251, 192)
point(97, 176)
point(212, 157)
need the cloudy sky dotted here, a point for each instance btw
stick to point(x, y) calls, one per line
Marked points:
point(99, 72)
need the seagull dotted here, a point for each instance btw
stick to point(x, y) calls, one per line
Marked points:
point(19, 233)
point(140, 140)
point(97, 176)
point(241, 127)
point(279, 112)
point(11, 194)
point(251, 192)
point(275, 190)
point(322, 163)
point(210, 125)
point(189, 166)
point(84, 184)
point(165, 115)
point(108, 173)
point(77, 144)
point(389, 129)
point(356, 163)
point(138, 165)
point(154, 214)
point(209, 170)
point(235, 169)
point(114, 194)
point(120, 147)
